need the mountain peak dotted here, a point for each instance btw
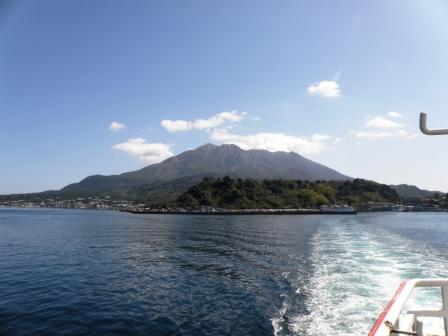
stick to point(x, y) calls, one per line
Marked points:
point(212, 146)
point(207, 145)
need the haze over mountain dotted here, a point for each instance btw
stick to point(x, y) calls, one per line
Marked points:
point(411, 191)
point(210, 160)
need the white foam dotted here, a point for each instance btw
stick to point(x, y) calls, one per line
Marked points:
point(277, 321)
point(356, 270)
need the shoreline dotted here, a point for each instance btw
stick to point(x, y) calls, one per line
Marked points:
point(227, 212)
point(244, 212)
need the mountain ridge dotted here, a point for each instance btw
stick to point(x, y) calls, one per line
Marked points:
point(212, 160)
point(412, 191)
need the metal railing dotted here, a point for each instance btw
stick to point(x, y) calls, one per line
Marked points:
point(424, 128)
point(394, 320)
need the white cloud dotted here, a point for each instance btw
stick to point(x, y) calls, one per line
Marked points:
point(217, 120)
point(382, 128)
point(147, 152)
point(380, 135)
point(382, 123)
point(320, 137)
point(177, 125)
point(203, 124)
point(273, 141)
point(395, 114)
point(117, 127)
point(326, 89)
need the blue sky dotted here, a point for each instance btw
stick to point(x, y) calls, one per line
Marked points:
point(317, 77)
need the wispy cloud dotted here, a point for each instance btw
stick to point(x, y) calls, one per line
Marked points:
point(380, 127)
point(219, 127)
point(254, 118)
point(117, 127)
point(203, 124)
point(337, 74)
point(146, 152)
point(395, 114)
point(325, 89)
point(274, 141)
point(382, 123)
point(380, 135)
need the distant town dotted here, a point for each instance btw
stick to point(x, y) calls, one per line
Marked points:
point(108, 203)
point(99, 203)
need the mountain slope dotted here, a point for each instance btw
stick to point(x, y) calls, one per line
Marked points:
point(410, 191)
point(211, 160)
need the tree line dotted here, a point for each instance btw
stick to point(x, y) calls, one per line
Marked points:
point(237, 193)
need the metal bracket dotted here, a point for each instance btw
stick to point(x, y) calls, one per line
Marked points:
point(425, 130)
point(412, 333)
point(395, 331)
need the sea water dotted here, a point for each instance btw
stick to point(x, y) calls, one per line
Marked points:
point(76, 272)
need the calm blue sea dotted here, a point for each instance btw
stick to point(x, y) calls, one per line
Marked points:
point(74, 272)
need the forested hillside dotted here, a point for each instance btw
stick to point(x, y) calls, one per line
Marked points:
point(250, 193)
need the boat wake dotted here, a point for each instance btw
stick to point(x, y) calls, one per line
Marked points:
point(356, 269)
